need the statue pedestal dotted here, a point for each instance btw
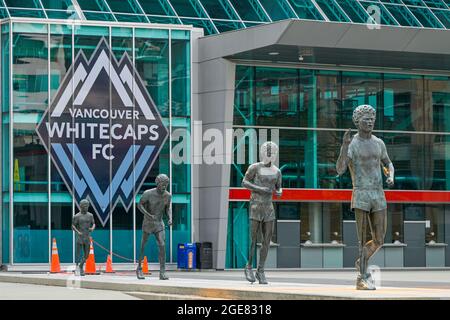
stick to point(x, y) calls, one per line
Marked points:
point(271, 260)
point(322, 255)
point(435, 254)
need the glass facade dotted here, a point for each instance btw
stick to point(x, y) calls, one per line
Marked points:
point(217, 16)
point(310, 110)
point(37, 204)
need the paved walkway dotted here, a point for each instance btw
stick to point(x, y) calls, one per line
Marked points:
point(232, 285)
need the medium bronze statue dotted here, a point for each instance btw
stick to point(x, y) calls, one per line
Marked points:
point(83, 224)
point(154, 204)
point(365, 155)
point(262, 179)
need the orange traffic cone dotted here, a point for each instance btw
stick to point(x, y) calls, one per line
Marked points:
point(145, 266)
point(109, 268)
point(90, 263)
point(55, 267)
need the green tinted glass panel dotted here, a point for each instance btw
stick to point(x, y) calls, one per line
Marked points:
point(23, 4)
point(333, 12)
point(249, 10)
point(125, 6)
point(130, 17)
point(444, 17)
point(354, 10)
point(188, 8)
point(27, 13)
point(156, 7)
point(277, 9)
point(98, 16)
point(425, 17)
point(219, 9)
point(166, 20)
point(3, 13)
point(57, 4)
point(305, 9)
point(435, 4)
point(54, 14)
point(94, 5)
point(402, 15)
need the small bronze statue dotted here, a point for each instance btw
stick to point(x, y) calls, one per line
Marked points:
point(364, 155)
point(263, 179)
point(83, 224)
point(154, 204)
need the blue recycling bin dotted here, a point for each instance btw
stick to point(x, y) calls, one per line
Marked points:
point(187, 256)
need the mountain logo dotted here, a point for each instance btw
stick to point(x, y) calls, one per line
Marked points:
point(102, 130)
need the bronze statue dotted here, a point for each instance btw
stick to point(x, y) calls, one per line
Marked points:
point(83, 224)
point(364, 154)
point(263, 179)
point(154, 204)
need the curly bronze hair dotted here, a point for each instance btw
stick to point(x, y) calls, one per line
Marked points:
point(161, 177)
point(360, 111)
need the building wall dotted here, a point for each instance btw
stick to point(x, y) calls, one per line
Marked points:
point(311, 110)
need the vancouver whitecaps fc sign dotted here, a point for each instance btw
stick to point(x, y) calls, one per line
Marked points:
point(103, 130)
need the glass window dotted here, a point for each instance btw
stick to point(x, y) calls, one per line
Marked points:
point(219, 9)
point(157, 7)
point(406, 152)
point(277, 97)
point(328, 98)
point(394, 231)
point(58, 5)
point(238, 238)
point(129, 6)
point(435, 3)
point(332, 10)
point(30, 98)
point(277, 10)
point(181, 74)
point(23, 4)
point(403, 104)
point(437, 104)
point(425, 17)
point(443, 16)
point(249, 10)
point(98, 5)
point(354, 10)
point(435, 233)
point(321, 222)
point(187, 8)
point(403, 16)
point(305, 9)
point(31, 238)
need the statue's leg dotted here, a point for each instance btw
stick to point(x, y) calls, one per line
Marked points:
point(85, 248)
point(78, 255)
point(378, 223)
point(363, 281)
point(254, 226)
point(267, 231)
point(161, 241)
point(144, 239)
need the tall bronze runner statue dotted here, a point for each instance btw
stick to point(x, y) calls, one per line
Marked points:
point(154, 204)
point(263, 179)
point(364, 154)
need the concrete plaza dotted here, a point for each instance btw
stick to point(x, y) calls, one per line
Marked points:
point(304, 285)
